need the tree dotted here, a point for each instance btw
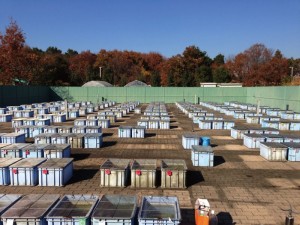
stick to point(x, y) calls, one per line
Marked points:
point(203, 74)
point(53, 50)
point(221, 75)
point(71, 52)
point(155, 79)
point(11, 54)
point(81, 68)
point(258, 65)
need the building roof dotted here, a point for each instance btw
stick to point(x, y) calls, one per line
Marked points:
point(136, 83)
point(97, 83)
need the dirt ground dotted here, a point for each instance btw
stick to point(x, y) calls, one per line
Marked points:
point(242, 187)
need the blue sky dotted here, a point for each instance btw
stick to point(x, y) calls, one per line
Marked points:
point(165, 26)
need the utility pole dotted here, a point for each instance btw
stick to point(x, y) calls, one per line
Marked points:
point(100, 68)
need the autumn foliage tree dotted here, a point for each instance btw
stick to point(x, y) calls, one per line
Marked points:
point(258, 66)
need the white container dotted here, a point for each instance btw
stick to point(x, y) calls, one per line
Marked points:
point(94, 129)
point(37, 205)
point(51, 129)
point(190, 139)
point(237, 132)
point(202, 156)
point(29, 121)
point(57, 151)
point(173, 173)
point(138, 132)
point(142, 123)
point(79, 129)
point(93, 140)
point(137, 111)
point(227, 124)
point(4, 173)
point(284, 125)
point(153, 124)
point(114, 173)
point(59, 118)
point(36, 130)
point(291, 138)
point(205, 124)
point(156, 210)
point(25, 172)
point(269, 130)
point(73, 113)
point(42, 122)
point(80, 122)
point(273, 138)
point(124, 132)
point(253, 119)
point(65, 129)
point(91, 122)
point(293, 151)
point(111, 118)
point(55, 172)
point(273, 151)
point(253, 140)
point(43, 139)
point(104, 123)
point(13, 150)
point(17, 122)
point(295, 125)
point(217, 124)
point(164, 124)
point(115, 210)
point(58, 139)
point(12, 138)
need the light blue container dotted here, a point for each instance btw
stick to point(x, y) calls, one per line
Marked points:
point(29, 121)
point(124, 132)
point(55, 172)
point(205, 141)
point(4, 173)
point(3, 110)
point(79, 210)
point(73, 114)
point(27, 113)
point(57, 151)
point(42, 122)
point(293, 152)
point(59, 118)
point(115, 210)
point(273, 138)
point(295, 125)
point(33, 151)
point(23, 130)
point(30, 215)
point(25, 172)
point(93, 140)
point(217, 124)
point(12, 138)
point(13, 150)
point(202, 156)
point(190, 139)
point(80, 122)
point(36, 130)
point(65, 129)
point(5, 118)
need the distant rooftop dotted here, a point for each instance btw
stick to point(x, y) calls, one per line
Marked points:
point(136, 83)
point(97, 83)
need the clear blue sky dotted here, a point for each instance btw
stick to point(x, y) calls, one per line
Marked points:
point(165, 26)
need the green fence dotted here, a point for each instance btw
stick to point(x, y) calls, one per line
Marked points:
point(281, 97)
point(149, 94)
